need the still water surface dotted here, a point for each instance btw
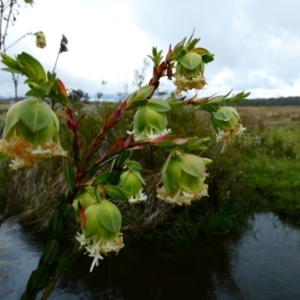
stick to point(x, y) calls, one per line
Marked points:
point(262, 263)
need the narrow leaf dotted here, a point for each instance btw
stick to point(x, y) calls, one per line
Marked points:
point(115, 193)
point(69, 175)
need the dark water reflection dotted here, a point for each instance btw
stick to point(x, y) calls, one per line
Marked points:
point(263, 263)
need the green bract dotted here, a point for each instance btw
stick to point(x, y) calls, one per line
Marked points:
point(103, 219)
point(186, 171)
point(190, 64)
point(131, 183)
point(33, 120)
point(86, 199)
point(225, 117)
point(92, 223)
point(146, 118)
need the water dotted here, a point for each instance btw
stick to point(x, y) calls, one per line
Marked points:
point(262, 263)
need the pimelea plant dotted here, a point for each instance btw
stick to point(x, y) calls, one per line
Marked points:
point(31, 133)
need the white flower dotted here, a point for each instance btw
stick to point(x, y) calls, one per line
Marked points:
point(181, 197)
point(96, 246)
point(149, 135)
point(25, 154)
point(107, 246)
point(140, 196)
point(81, 239)
point(228, 135)
point(94, 251)
point(185, 84)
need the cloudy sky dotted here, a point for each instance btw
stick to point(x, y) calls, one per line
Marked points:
point(256, 42)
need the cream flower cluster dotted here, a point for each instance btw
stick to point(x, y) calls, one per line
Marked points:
point(40, 39)
point(181, 197)
point(24, 154)
point(96, 246)
point(226, 136)
point(184, 84)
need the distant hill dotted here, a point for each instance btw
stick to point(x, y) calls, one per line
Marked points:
point(281, 101)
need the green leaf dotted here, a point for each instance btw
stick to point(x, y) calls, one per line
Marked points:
point(69, 175)
point(75, 247)
point(63, 266)
point(207, 161)
point(144, 92)
point(51, 76)
point(218, 98)
point(50, 252)
point(114, 177)
point(159, 105)
point(55, 226)
point(109, 216)
point(101, 178)
point(192, 164)
point(166, 144)
point(175, 104)
point(48, 290)
point(11, 70)
point(31, 67)
point(39, 276)
point(115, 193)
point(52, 268)
point(177, 49)
point(122, 157)
point(11, 63)
point(35, 114)
point(68, 211)
point(34, 93)
point(140, 119)
point(190, 60)
point(132, 165)
point(192, 44)
point(138, 103)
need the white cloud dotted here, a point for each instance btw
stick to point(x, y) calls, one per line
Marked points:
point(256, 43)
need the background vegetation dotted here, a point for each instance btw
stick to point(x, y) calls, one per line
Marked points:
point(262, 175)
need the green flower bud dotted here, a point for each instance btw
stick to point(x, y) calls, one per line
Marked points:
point(225, 117)
point(102, 219)
point(183, 178)
point(131, 183)
point(31, 132)
point(185, 171)
point(149, 124)
point(40, 39)
point(86, 199)
point(190, 64)
point(29, 2)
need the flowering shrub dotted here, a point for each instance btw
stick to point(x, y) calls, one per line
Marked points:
point(31, 133)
